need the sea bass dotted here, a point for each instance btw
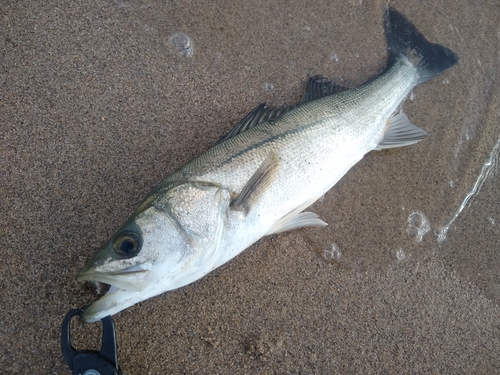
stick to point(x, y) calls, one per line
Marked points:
point(258, 179)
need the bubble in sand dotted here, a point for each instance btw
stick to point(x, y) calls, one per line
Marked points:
point(182, 44)
point(440, 233)
point(400, 254)
point(332, 252)
point(418, 225)
point(267, 86)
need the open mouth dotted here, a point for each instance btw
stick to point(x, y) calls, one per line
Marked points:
point(117, 290)
point(100, 289)
point(97, 287)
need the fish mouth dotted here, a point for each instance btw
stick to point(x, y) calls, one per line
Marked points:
point(125, 289)
point(97, 287)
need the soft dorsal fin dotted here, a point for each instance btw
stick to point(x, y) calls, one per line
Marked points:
point(400, 132)
point(258, 115)
point(319, 87)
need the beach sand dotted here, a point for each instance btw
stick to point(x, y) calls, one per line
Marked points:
point(99, 100)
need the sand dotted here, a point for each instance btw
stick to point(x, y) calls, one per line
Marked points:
point(100, 100)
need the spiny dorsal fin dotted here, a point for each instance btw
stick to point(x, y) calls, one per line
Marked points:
point(319, 87)
point(258, 183)
point(258, 115)
point(400, 132)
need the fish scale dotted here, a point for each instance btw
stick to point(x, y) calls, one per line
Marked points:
point(259, 179)
point(318, 142)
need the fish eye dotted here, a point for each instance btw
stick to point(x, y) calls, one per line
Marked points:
point(127, 244)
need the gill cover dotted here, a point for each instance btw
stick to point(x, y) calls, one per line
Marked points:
point(176, 231)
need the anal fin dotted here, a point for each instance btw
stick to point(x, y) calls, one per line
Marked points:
point(400, 132)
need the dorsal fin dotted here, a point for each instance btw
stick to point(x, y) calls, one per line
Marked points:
point(319, 87)
point(258, 115)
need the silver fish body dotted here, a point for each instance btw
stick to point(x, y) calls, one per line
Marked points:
point(259, 179)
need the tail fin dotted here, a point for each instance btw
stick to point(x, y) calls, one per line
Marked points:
point(404, 39)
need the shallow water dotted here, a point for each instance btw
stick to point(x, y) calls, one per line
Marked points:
point(100, 100)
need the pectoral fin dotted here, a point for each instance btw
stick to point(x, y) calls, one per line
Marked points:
point(400, 132)
point(258, 183)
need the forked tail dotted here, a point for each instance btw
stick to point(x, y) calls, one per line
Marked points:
point(405, 40)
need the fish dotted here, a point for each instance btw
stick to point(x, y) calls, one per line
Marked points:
point(259, 178)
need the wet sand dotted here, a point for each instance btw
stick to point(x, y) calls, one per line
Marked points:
point(98, 103)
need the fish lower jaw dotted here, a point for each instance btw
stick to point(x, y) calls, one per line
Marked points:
point(109, 304)
point(116, 300)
